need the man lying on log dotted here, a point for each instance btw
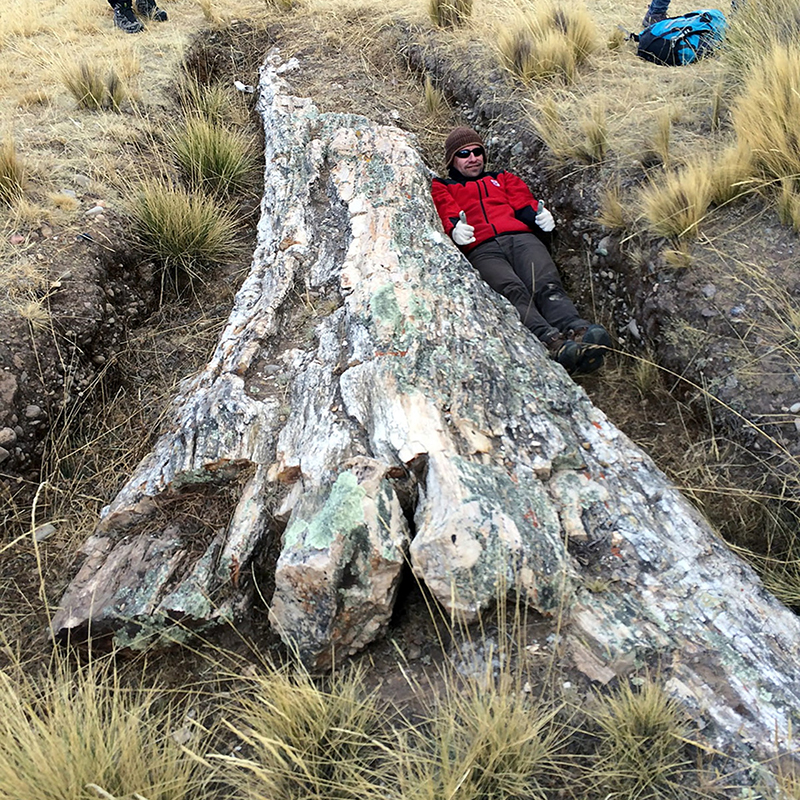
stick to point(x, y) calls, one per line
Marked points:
point(492, 217)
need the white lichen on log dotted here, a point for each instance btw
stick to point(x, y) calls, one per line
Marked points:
point(362, 345)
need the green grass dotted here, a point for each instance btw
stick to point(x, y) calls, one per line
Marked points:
point(211, 102)
point(181, 230)
point(309, 741)
point(213, 158)
point(641, 751)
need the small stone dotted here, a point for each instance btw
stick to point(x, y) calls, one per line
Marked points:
point(709, 290)
point(794, 409)
point(95, 211)
point(46, 231)
point(16, 238)
point(44, 531)
point(4, 454)
point(33, 412)
point(709, 312)
point(8, 437)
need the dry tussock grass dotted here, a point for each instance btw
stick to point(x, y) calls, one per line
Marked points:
point(675, 204)
point(553, 40)
point(770, 98)
point(78, 732)
point(449, 13)
point(12, 173)
point(755, 29)
point(642, 734)
point(41, 39)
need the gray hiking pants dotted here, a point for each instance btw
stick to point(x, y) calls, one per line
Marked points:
point(519, 267)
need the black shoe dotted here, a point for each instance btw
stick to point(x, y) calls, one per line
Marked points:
point(125, 19)
point(651, 19)
point(591, 342)
point(148, 8)
point(565, 351)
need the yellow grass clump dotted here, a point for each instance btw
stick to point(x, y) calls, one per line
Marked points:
point(612, 213)
point(731, 175)
point(755, 29)
point(92, 88)
point(181, 230)
point(675, 203)
point(642, 734)
point(789, 204)
point(12, 173)
point(308, 741)
point(552, 42)
point(484, 743)
point(765, 115)
point(79, 733)
point(593, 145)
point(449, 13)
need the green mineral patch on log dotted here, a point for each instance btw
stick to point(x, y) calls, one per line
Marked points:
point(342, 512)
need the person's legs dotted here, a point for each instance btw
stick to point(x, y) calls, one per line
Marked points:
point(535, 268)
point(124, 18)
point(491, 259)
point(656, 11)
point(148, 8)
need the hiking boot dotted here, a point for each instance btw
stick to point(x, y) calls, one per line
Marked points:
point(651, 19)
point(125, 19)
point(565, 351)
point(148, 8)
point(591, 342)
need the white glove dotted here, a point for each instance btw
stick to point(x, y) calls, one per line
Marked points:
point(544, 219)
point(463, 233)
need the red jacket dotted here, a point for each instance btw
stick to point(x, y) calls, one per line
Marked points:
point(494, 202)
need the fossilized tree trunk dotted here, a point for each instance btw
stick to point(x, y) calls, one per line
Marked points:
point(373, 393)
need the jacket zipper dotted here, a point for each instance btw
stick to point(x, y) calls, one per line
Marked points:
point(483, 207)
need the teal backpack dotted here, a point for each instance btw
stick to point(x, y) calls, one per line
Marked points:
point(676, 41)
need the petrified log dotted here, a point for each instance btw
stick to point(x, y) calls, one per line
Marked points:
point(368, 378)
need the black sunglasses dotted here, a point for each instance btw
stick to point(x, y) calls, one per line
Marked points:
point(475, 151)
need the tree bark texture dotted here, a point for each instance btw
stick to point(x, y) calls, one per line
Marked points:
point(373, 394)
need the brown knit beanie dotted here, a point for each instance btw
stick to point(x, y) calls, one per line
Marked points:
point(458, 139)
